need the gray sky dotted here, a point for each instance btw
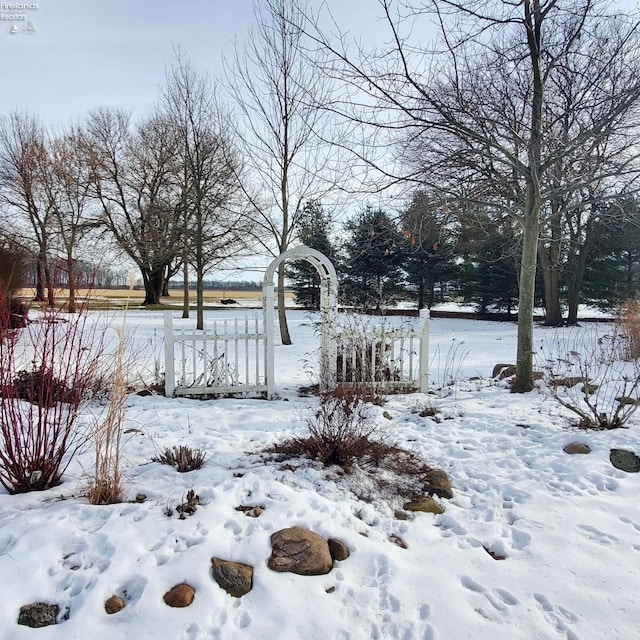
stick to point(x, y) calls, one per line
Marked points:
point(87, 53)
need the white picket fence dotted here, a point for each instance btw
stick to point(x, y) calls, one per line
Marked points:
point(231, 357)
point(227, 358)
point(387, 357)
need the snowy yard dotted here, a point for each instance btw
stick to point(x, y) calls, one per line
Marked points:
point(566, 526)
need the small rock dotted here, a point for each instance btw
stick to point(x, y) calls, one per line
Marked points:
point(300, 551)
point(180, 596)
point(577, 447)
point(502, 371)
point(397, 540)
point(141, 497)
point(426, 504)
point(399, 514)
point(330, 589)
point(114, 604)
point(387, 415)
point(625, 460)
point(144, 393)
point(234, 577)
point(253, 511)
point(438, 483)
point(494, 554)
point(589, 388)
point(338, 549)
point(569, 382)
point(38, 614)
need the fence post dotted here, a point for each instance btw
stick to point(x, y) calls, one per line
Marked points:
point(269, 339)
point(169, 358)
point(424, 350)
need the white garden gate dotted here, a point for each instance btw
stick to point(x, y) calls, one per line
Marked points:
point(236, 357)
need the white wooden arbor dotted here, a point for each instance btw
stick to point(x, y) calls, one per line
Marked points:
point(328, 308)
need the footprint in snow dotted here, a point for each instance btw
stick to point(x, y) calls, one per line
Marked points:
point(595, 535)
point(499, 599)
point(559, 617)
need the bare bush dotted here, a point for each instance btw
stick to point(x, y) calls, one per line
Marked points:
point(183, 458)
point(340, 432)
point(585, 373)
point(40, 405)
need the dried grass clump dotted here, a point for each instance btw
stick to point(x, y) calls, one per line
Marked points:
point(106, 486)
point(183, 458)
point(628, 319)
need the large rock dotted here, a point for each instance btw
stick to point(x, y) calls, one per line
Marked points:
point(300, 551)
point(577, 447)
point(625, 460)
point(38, 614)
point(234, 577)
point(438, 483)
point(180, 596)
point(425, 504)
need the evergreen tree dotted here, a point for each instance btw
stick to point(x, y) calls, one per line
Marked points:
point(315, 227)
point(430, 249)
point(374, 257)
point(613, 273)
point(489, 272)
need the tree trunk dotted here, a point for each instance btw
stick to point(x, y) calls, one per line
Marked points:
point(199, 300)
point(153, 282)
point(39, 293)
point(549, 268)
point(282, 315)
point(524, 357)
point(185, 289)
point(71, 277)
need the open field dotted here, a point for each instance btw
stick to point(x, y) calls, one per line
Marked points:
point(127, 298)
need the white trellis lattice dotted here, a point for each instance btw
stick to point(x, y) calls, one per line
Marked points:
point(237, 356)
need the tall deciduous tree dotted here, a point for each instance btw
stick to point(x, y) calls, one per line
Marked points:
point(23, 155)
point(67, 186)
point(209, 170)
point(137, 183)
point(276, 92)
point(471, 109)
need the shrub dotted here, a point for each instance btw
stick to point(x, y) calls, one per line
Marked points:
point(590, 378)
point(183, 458)
point(105, 487)
point(40, 405)
point(341, 432)
point(628, 320)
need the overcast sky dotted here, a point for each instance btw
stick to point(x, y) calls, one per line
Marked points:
point(66, 57)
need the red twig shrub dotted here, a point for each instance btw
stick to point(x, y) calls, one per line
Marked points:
point(48, 369)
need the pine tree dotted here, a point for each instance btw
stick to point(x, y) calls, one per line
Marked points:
point(373, 275)
point(430, 249)
point(315, 227)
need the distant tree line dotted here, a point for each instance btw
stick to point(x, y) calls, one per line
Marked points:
point(429, 254)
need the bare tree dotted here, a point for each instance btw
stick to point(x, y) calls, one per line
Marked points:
point(276, 92)
point(136, 180)
point(67, 185)
point(209, 170)
point(22, 157)
point(470, 110)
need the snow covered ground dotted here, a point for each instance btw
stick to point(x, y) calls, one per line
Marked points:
point(568, 526)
